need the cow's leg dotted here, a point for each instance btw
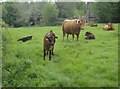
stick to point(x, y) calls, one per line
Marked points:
point(73, 36)
point(63, 35)
point(52, 52)
point(77, 36)
point(47, 52)
point(50, 55)
point(44, 54)
point(67, 36)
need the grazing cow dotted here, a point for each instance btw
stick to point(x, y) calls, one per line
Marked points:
point(91, 24)
point(108, 26)
point(49, 41)
point(24, 39)
point(89, 35)
point(72, 27)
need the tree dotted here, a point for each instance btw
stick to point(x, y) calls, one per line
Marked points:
point(66, 9)
point(24, 12)
point(70, 10)
point(50, 14)
point(9, 14)
point(106, 11)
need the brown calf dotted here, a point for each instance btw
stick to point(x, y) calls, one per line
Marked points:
point(108, 26)
point(49, 41)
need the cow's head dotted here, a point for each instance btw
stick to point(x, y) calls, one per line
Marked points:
point(81, 22)
point(109, 25)
point(87, 33)
point(51, 37)
point(29, 37)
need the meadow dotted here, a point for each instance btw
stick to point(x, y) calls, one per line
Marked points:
point(86, 63)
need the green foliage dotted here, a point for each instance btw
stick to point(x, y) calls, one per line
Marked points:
point(0, 57)
point(86, 63)
point(3, 24)
point(10, 14)
point(18, 14)
point(50, 14)
point(70, 9)
point(106, 11)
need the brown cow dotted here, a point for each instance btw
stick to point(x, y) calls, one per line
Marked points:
point(49, 41)
point(108, 26)
point(72, 27)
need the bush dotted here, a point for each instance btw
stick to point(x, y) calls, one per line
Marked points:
point(50, 14)
point(3, 24)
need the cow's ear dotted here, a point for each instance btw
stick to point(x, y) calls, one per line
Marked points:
point(50, 30)
point(48, 38)
point(78, 21)
point(56, 37)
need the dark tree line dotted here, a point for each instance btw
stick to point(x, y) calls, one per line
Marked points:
point(107, 11)
point(43, 13)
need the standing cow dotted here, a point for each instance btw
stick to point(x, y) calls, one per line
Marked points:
point(49, 41)
point(108, 26)
point(72, 27)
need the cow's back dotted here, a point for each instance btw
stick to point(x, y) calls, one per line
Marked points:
point(71, 27)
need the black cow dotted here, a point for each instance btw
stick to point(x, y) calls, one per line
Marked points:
point(24, 39)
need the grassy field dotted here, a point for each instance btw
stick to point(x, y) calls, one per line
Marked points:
point(86, 63)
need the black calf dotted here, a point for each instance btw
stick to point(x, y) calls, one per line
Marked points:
point(24, 39)
point(89, 36)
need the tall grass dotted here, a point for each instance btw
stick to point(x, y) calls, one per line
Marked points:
point(86, 63)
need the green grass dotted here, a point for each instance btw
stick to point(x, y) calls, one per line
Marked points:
point(86, 63)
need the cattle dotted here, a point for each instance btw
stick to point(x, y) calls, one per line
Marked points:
point(108, 26)
point(49, 42)
point(70, 20)
point(89, 35)
point(87, 24)
point(93, 25)
point(24, 39)
point(72, 27)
